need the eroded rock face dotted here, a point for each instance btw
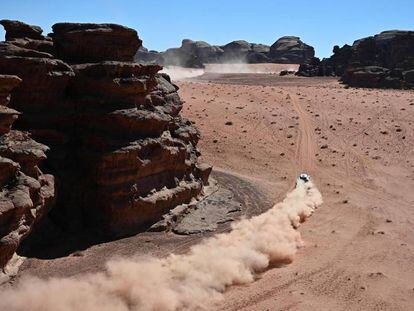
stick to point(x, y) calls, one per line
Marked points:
point(25, 40)
point(138, 155)
point(194, 54)
point(26, 194)
point(235, 51)
point(291, 50)
point(16, 29)
point(393, 51)
point(367, 76)
point(146, 57)
point(84, 43)
point(120, 151)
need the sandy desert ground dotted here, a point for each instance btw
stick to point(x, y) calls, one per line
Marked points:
point(259, 131)
point(358, 146)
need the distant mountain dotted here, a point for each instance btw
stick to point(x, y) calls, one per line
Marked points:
point(195, 54)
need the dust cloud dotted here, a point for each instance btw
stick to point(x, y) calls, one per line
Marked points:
point(242, 68)
point(191, 281)
point(178, 73)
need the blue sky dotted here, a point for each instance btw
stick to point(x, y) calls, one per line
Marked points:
point(163, 24)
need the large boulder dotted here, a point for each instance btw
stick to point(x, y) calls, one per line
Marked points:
point(236, 51)
point(16, 29)
point(291, 50)
point(84, 43)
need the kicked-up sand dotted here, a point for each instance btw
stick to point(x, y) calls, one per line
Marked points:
point(357, 144)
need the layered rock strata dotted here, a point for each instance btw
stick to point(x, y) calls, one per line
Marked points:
point(195, 54)
point(385, 60)
point(120, 151)
point(26, 193)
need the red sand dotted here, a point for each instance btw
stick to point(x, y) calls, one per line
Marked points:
point(357, 144)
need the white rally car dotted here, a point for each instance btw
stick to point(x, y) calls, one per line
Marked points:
point(304, 177)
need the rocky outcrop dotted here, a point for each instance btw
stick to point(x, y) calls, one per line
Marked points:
point(26, 39)
point(259, 53)
point(137, 155)
point(291, 50)
point(83, 43)
point(194, 54)
point(235, 51)
point(382, 60)
point(16, 29)
point(26, 194)
point(120, 151)
point(146, 57)
point(367, 76)
point(332, 66)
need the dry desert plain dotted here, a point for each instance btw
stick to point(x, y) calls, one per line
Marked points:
point(259, 131)
point(358, 146)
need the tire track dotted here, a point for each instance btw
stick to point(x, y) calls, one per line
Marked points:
point(305, 146)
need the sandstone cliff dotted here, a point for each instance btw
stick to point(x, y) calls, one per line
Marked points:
point(117, 146)
point(26, 193)
point(385, 60)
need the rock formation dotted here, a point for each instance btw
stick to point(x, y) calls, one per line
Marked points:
point(120, 152)
point(26, 194)
point(235, 52)
point(258, 54)
point(83, 43)
point(384, 60)
point(16, 30)
point(146, 57)
point(291, 50)
point(194, 54)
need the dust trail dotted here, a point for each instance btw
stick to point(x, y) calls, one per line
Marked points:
point(243, 68)
point(180, 73)
point(190, 281)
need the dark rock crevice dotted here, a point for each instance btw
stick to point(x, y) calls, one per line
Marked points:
point(26, 193)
